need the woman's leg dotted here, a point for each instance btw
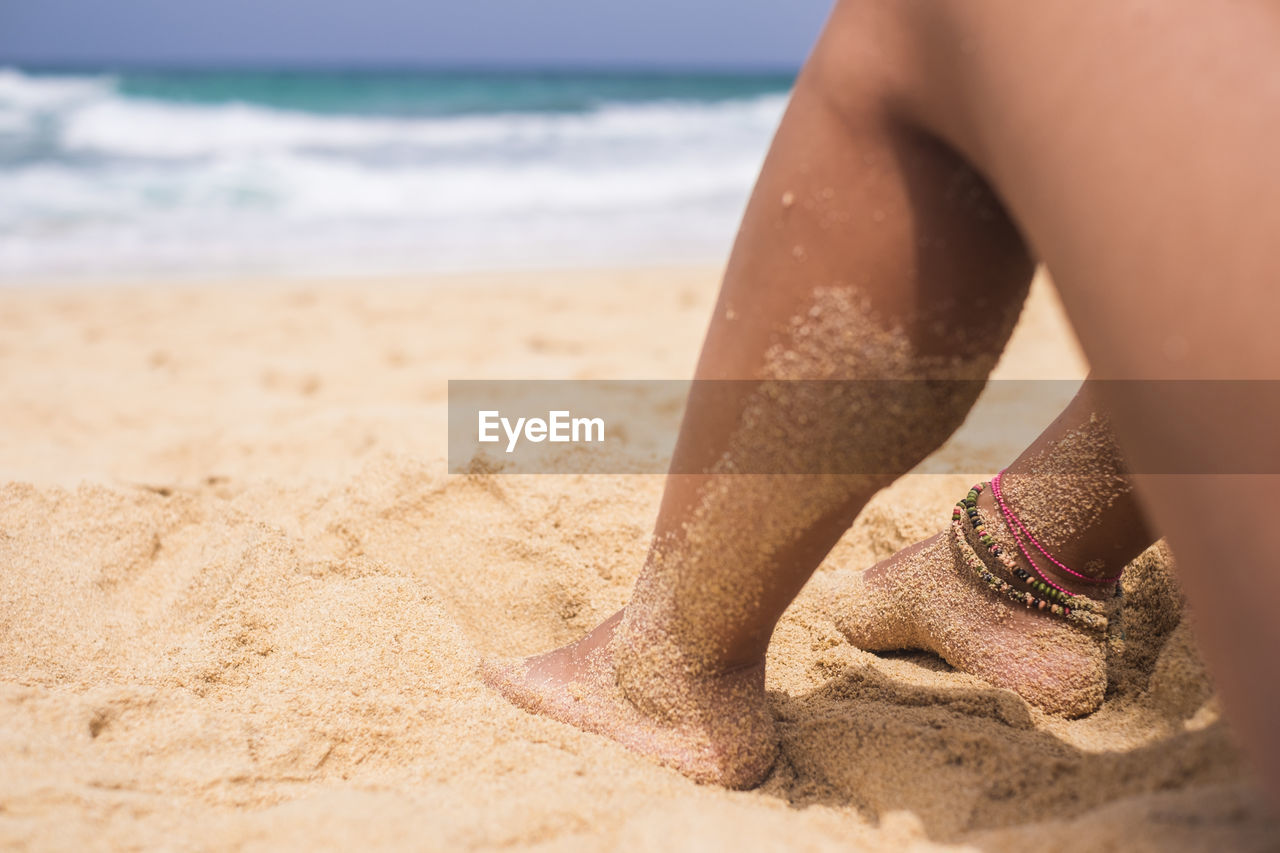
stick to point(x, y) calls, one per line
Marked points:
point(868, 251)
point(1134, 143)
point(1071, 489)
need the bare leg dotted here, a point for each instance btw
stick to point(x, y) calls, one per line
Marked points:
point(1071, 489)
point(868, 251)
point(1134, 143)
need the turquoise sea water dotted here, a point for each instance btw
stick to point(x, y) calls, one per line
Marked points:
point(445, 93)
point(125, 174)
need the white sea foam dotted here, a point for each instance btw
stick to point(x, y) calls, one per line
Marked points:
point(27, 92)
point(95, 182)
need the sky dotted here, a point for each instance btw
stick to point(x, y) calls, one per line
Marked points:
point(345, 33)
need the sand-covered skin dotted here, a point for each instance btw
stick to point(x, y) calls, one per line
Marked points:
point(257, 622)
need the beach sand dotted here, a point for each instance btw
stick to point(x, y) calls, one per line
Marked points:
point(242, 603)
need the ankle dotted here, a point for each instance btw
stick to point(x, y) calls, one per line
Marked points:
point(664, 678)
point(1092, 585)
point(997, 567)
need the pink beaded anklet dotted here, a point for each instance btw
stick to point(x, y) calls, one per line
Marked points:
point(1015, 525)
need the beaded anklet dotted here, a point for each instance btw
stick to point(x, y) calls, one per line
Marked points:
point(969, 505)
point(1015, 524)
point(1079, 610)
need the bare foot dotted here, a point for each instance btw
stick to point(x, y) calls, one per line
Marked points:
point(712, 729)
point(924, 598)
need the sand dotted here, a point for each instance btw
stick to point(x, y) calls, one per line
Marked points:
point(242, 603)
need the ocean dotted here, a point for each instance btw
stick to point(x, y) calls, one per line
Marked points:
point(110, 175)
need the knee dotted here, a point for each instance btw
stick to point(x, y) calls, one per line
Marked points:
point(864, 63)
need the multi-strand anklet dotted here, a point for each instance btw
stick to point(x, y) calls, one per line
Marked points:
point(1015, 525)
point(1043, 595)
